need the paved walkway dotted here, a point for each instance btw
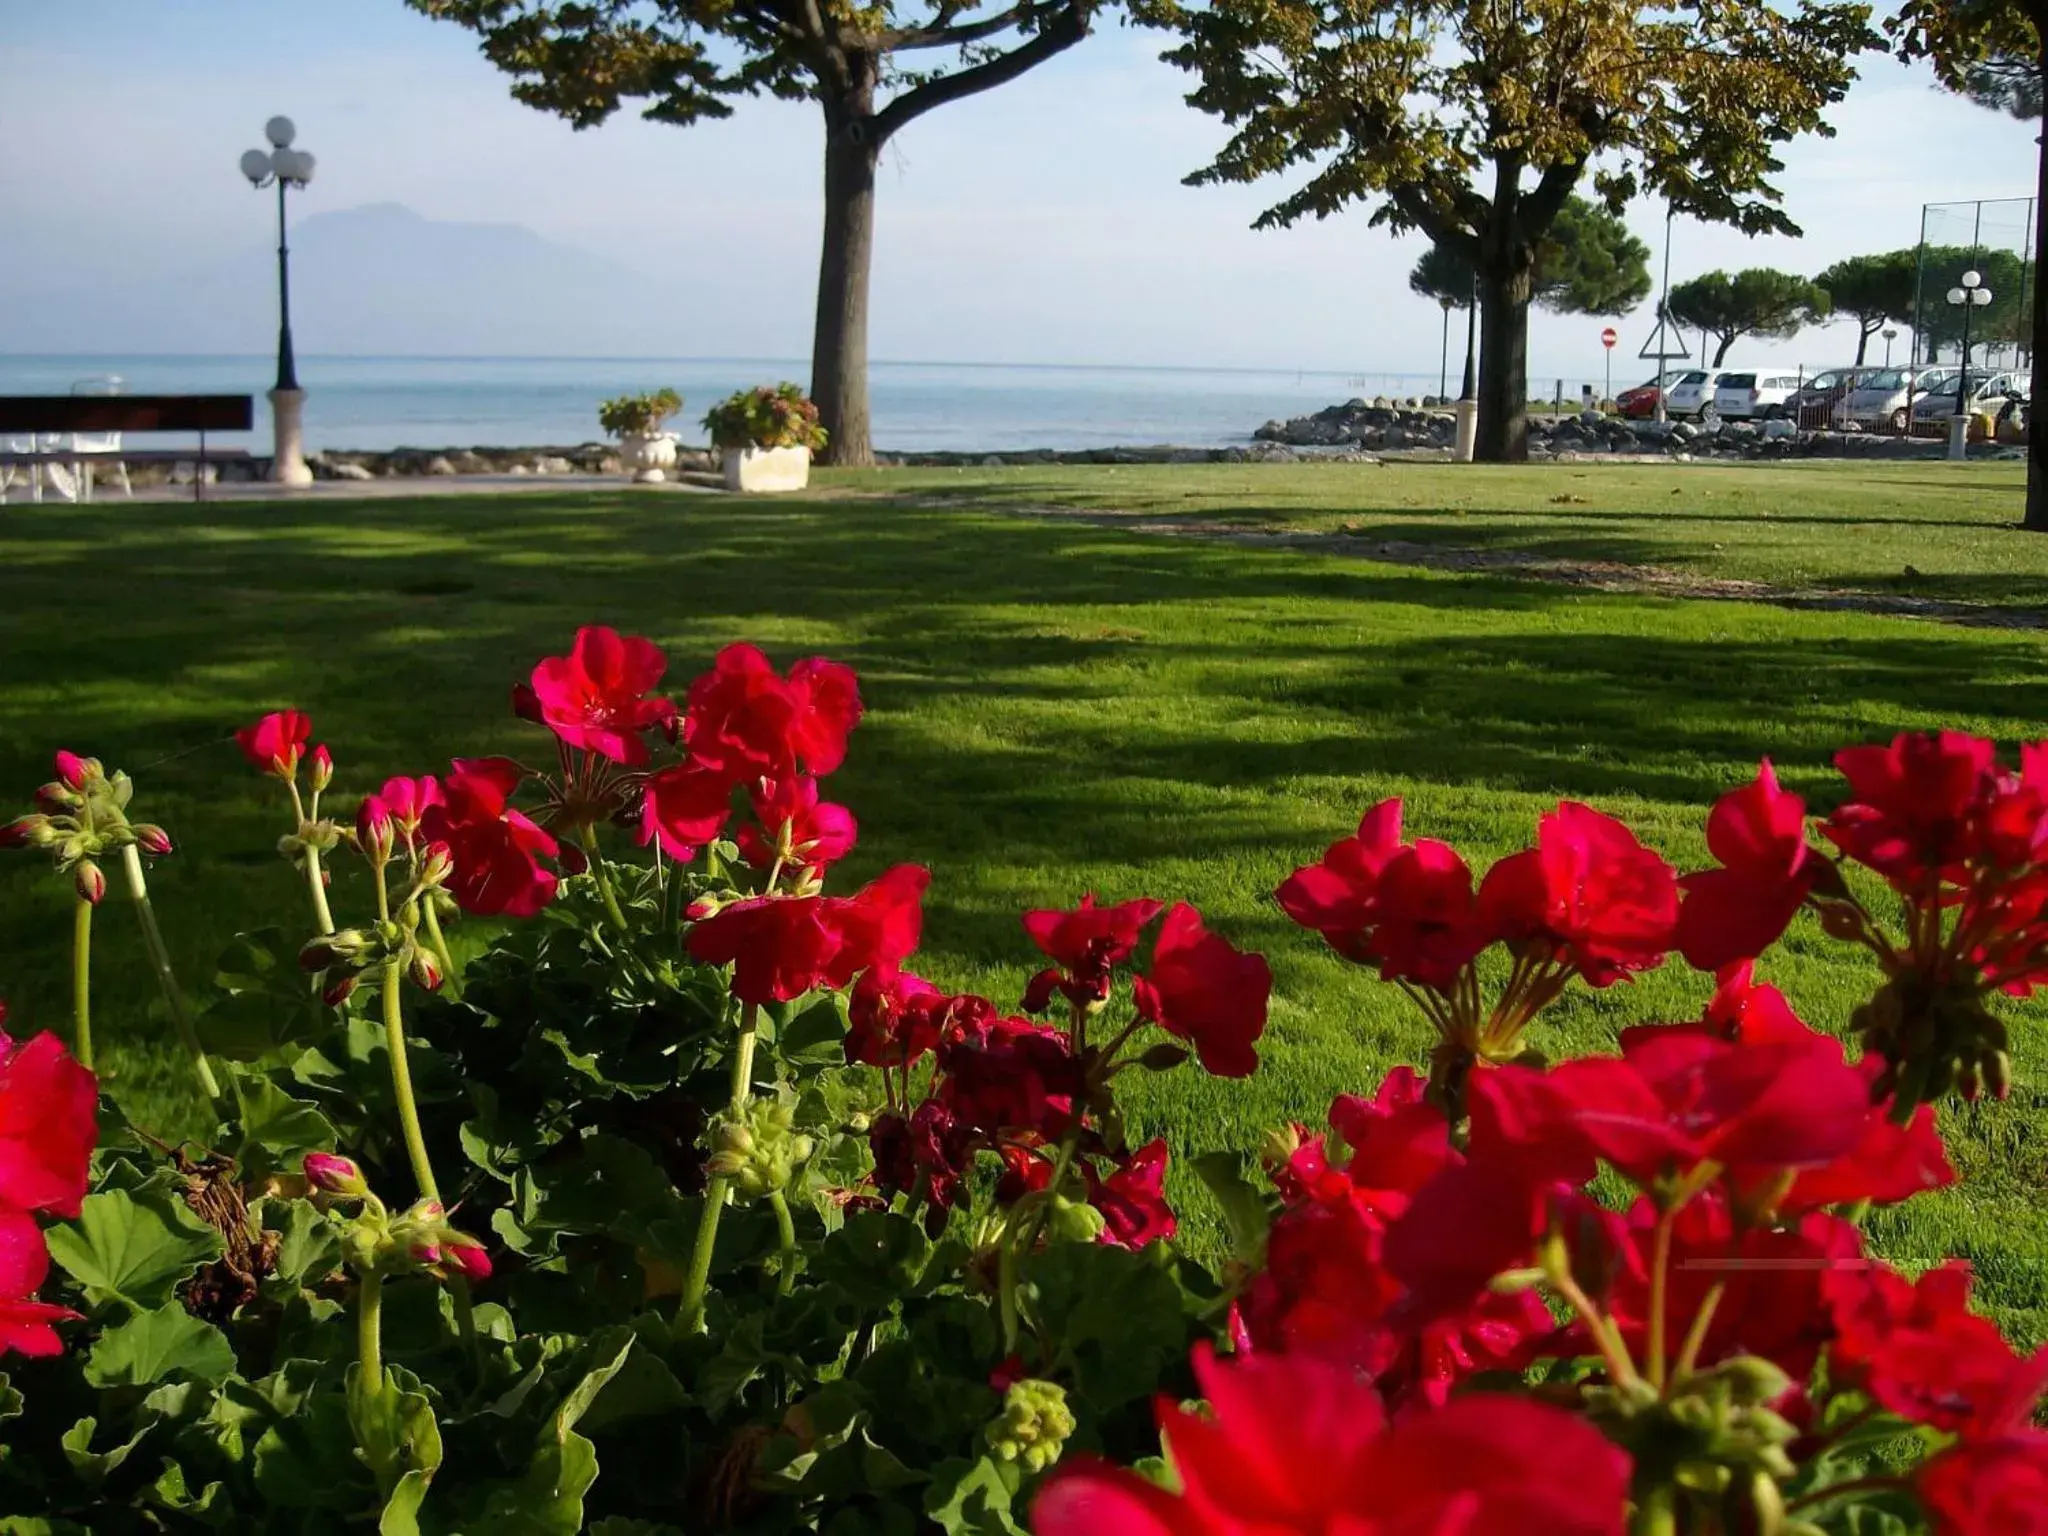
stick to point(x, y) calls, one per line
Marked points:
point(384, 489)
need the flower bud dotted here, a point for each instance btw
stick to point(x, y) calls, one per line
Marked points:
point(320, 768)
point(436, 865)
point(526, 704)
point(466, 1256)
point(1072, 1221)
point(151, 839)
point(58, 799)
point(1033, 1426)
point(1998, 1074)
point(574, 860)
point(338, 991)
point(90, 884)
point(77, 771)
point(376, 833)
point(332, 1174)
point(346, 948)
point(1163, 1057)
point(1038, 992)
point(424, 971)
point(1278, 1146)
point(27, 832)
point(426, 1254)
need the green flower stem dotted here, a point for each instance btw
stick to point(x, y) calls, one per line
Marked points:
point(1006, 1293)
point(401, 1068)
point(1660, 1286)
point(690, 1314)
point(433, 924)
point(81, 983)
point(1696, 1335)
point(370, 1331)
point(316, 884)
point(1656, 1512)
point(785, 1232)
point(160, 962)
point(604, 880)
point(401, 1082)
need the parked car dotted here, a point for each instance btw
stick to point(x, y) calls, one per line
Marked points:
point(1984, 394)
point(1640, 403)
point(1814, 404)
point(1693, 393)
point(1754, 396)
point(1880, 402)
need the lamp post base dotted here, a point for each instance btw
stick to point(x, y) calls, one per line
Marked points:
point(1468, 430)
point(1959, 436)
point(288, 452)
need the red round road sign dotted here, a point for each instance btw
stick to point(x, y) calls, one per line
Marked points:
point(1609, 337)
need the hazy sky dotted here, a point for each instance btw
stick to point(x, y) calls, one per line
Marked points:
point(1042, 222)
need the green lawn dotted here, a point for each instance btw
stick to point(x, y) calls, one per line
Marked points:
point(1054, 708)
point(1813, 524)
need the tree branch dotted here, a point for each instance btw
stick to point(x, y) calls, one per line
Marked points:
point(1540, 207)
point(1065, 28)
point(904, 39)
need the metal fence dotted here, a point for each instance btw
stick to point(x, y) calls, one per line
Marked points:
point(1993, 237)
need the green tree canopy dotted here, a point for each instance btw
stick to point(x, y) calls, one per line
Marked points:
point(1758, 301)
point(1939, 324)
point(1588, 264)
point(872, 68)
point(1474, 123)
point(1872, 290)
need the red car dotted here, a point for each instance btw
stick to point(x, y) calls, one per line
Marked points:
point(1640, 403)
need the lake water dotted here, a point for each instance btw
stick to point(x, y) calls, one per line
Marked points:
point(428, 402)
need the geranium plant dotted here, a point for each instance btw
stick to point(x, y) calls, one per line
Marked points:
point(768, 416)
point(638, 415)
point(686, 1204)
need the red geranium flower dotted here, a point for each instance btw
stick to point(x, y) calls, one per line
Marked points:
point(1588, 889)
point(1012, 1078)
point(929, 1144)
point(1889, 1163)
point(276, 743)
point(753, 723)
point(496, 850)
point(893, 1017)
point(594, 697)
point(819, 834)
point(879, 924)
point(1744, 1008)
point(1132, 1200)
point(778, 946)
point(1736, 912)
point(684, 806)
point(1207, 993)
point(25, 1323)
point(1087, 944)
point(408, 801)
point(1913, 804)
point(1988, 1487)
point(1292, 1445)
point(1919, 1351)
point(49, 1124)
point(1339, 897)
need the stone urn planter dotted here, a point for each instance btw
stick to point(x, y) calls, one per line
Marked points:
point(648, 457)
point(767, 469)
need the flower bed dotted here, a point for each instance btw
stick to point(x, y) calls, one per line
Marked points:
point(688, 1174)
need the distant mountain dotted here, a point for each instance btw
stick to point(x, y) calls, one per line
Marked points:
point(376, 280)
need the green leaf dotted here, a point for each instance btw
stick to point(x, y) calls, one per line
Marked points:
point(1245, 1216)
point(307, 1247)
point(265, 1002)
point(135, 1250)
point(170, 1491)
point(153, 1345)
point(93, 1466)
point(10, 1401)
point(972, 1498)
point(548, 1499)
point(876, 1258)
point(277, 1129)
point(815, 1037)
point(397, 1434)
point(1114, 1318)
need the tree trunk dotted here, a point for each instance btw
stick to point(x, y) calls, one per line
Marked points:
point(1862, 345)
point(1503, 427)
point(1722, 350)
point(2037, 406)
point(839, 342)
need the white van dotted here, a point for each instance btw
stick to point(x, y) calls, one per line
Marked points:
point(1755, 394)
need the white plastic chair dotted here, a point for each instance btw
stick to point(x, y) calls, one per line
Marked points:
point(30, 474)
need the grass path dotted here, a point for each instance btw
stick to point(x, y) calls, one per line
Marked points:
point(1055, 708)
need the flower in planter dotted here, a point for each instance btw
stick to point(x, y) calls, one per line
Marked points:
point(638, 415)
point(769, 416)
point(595, 698)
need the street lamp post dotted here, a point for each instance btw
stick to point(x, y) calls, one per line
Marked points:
point(283, 167)
point(1443, 364)
point(1971, 295)
point(1891, 335)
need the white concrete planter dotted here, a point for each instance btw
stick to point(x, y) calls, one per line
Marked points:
point(767, 469)
point(647, 459)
